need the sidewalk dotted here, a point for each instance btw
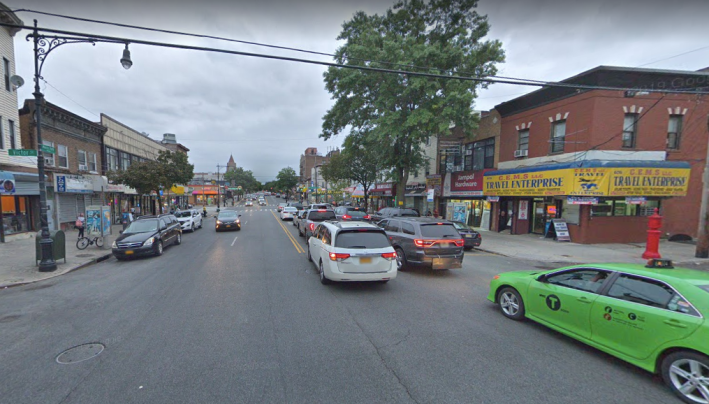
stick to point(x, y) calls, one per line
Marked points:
point(535, 247)
point(19, 265)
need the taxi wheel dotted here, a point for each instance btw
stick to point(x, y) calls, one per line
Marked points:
point(687, 375)
point(511, 303)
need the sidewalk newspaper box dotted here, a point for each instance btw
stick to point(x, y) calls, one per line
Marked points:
point(58, 246)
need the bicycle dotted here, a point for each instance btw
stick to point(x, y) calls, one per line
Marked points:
point(84, 242)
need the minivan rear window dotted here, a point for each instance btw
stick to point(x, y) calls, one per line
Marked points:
point(362, 239)
point(409, 213)
point(316, 216)
point(356, 213)
point(439, 231)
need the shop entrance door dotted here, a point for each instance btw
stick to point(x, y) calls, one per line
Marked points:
point(539, 218)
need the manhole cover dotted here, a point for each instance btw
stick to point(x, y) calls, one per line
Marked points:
point(84, 255)
point(80, 353)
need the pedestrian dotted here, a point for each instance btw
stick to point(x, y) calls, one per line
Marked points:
point(435, 213)
point(428, 212)
point(79, 224)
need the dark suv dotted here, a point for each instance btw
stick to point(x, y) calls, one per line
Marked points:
point(355, 213)
point(384, 213)
point(424, 241)
point(312, 218)
point(147, 235)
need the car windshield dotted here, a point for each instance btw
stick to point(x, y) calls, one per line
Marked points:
point(142, 226)
point(318, 216)
point(227, 214)
point(362, 239)
point(461, 226)
point(445, 230)
point(184, 213)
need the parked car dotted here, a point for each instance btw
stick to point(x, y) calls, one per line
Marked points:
point(471, 237)
point(262, 202)
point(298, 217)
point(352, 213)
point(424, 241)
point(384, 213)
point(281, 206)
point(652, 316)
point(147, 235)
point(228, 220)
point(312, 218)
point(248, 203)
point(190, 219)
point(319, 206)
point(288, 213)
point(351, 251)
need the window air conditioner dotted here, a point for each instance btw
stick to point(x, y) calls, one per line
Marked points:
point(521, 153)
point(468, 152)
point(83, 167)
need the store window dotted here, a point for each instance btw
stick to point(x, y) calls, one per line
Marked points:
point(15, 214)
point(621, 208)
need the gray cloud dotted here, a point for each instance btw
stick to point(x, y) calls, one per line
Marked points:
point(267, 112)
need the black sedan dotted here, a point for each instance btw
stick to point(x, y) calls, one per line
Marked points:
point(470, 236)
point(228, 220)
point(148, 235)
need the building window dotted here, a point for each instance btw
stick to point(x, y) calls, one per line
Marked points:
point(674, 131)
point(523, 140)
point(13, 139)
point(112, 156)
point(621, 208)
point(62, 156)
point(6, 66)
point(558, 136)
point(81, 159)
point(2, 135)
point(92, 162)
point(483, 154)
point(125, 160)
point(630, 130)
point(48, 157)
point(16, 214)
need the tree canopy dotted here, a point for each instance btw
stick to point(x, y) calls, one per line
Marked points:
point(286, 179)
point(399, 112)
point(243, 178)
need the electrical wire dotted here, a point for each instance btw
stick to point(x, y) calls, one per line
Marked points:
point(492, 78)
point(69, 98)
point(678, 55)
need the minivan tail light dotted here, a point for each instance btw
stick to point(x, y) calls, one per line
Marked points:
point(338, 256)
point(367, 217)
point(390, 255)
point(312, 226)
point(346, 217)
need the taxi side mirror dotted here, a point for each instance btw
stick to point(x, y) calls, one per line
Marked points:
point(542, 278)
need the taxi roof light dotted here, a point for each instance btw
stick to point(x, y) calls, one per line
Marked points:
point(659, 263)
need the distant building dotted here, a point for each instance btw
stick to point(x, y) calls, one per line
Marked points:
point(309, 159)
point(169, 140)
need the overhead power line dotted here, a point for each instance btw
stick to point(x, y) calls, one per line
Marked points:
point(338, 65)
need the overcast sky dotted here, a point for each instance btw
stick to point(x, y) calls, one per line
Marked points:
point(266, 112)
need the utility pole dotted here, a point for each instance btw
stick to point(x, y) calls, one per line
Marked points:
point(702, 250)
point(219, 195)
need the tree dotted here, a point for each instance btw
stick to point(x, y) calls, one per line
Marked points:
point(286, 179)
point(170, 169)
point(359, 162)
point(244, 178)
point(398, 111)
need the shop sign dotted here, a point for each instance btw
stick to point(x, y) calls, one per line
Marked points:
point(546, 183)
point(635, 200)
point(464, 183)
point(7, 183)
point(649, 182)
point(385, 189)
point(434, 181)
point(589, 181)
point(582, 200)
point(429, 195)
point(493, 199)
point(76, 184)
point(561, 229)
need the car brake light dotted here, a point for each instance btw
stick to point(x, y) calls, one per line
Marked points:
point(312, 226)
point(338, 256)
point(424, 243)
point(439, 223)
point(346, 217)
point(459, 242)
point(322, 210)
point(389, 255)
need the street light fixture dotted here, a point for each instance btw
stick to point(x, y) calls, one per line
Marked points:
point(43, 45)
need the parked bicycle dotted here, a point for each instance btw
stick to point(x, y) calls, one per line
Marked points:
point(84, 242)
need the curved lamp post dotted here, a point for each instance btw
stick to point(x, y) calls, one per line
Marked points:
point(43, 45)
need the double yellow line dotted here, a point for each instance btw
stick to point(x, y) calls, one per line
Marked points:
point(290, 236)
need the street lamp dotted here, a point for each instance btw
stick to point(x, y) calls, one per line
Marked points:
point(43, 45)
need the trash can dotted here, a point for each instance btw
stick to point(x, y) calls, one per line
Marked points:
point(58, 246)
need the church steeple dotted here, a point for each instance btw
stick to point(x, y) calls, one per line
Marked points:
point(231, 165)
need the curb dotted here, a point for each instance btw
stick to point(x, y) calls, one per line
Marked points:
point(81, 266)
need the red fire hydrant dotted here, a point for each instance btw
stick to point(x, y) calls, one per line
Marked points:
point(654, 223)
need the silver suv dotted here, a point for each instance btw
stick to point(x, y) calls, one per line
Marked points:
point(313, 217)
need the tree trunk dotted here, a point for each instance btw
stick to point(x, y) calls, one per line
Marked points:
point(401, 186)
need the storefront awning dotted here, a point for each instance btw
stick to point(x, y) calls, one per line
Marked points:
point(599, 178)
point(416, 193)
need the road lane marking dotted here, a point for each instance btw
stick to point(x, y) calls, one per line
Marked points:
point(232, 243)
point(290, 236)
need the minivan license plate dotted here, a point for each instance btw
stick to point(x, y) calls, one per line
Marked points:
point(365, 260)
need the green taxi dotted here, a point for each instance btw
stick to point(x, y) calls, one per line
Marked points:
point(651, 316)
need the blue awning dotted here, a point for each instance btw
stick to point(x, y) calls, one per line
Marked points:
point(593, 164)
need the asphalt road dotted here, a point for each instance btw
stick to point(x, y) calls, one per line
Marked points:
point(241, 317)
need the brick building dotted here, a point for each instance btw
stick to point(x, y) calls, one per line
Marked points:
point(309, 159)
point(73, 171)
point(603, 160)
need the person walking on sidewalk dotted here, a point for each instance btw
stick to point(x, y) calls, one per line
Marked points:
point(79, 224)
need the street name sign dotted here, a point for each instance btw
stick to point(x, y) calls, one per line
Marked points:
point(22, 152)
point(47, 149)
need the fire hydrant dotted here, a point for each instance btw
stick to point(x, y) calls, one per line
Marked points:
point(653, 236)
